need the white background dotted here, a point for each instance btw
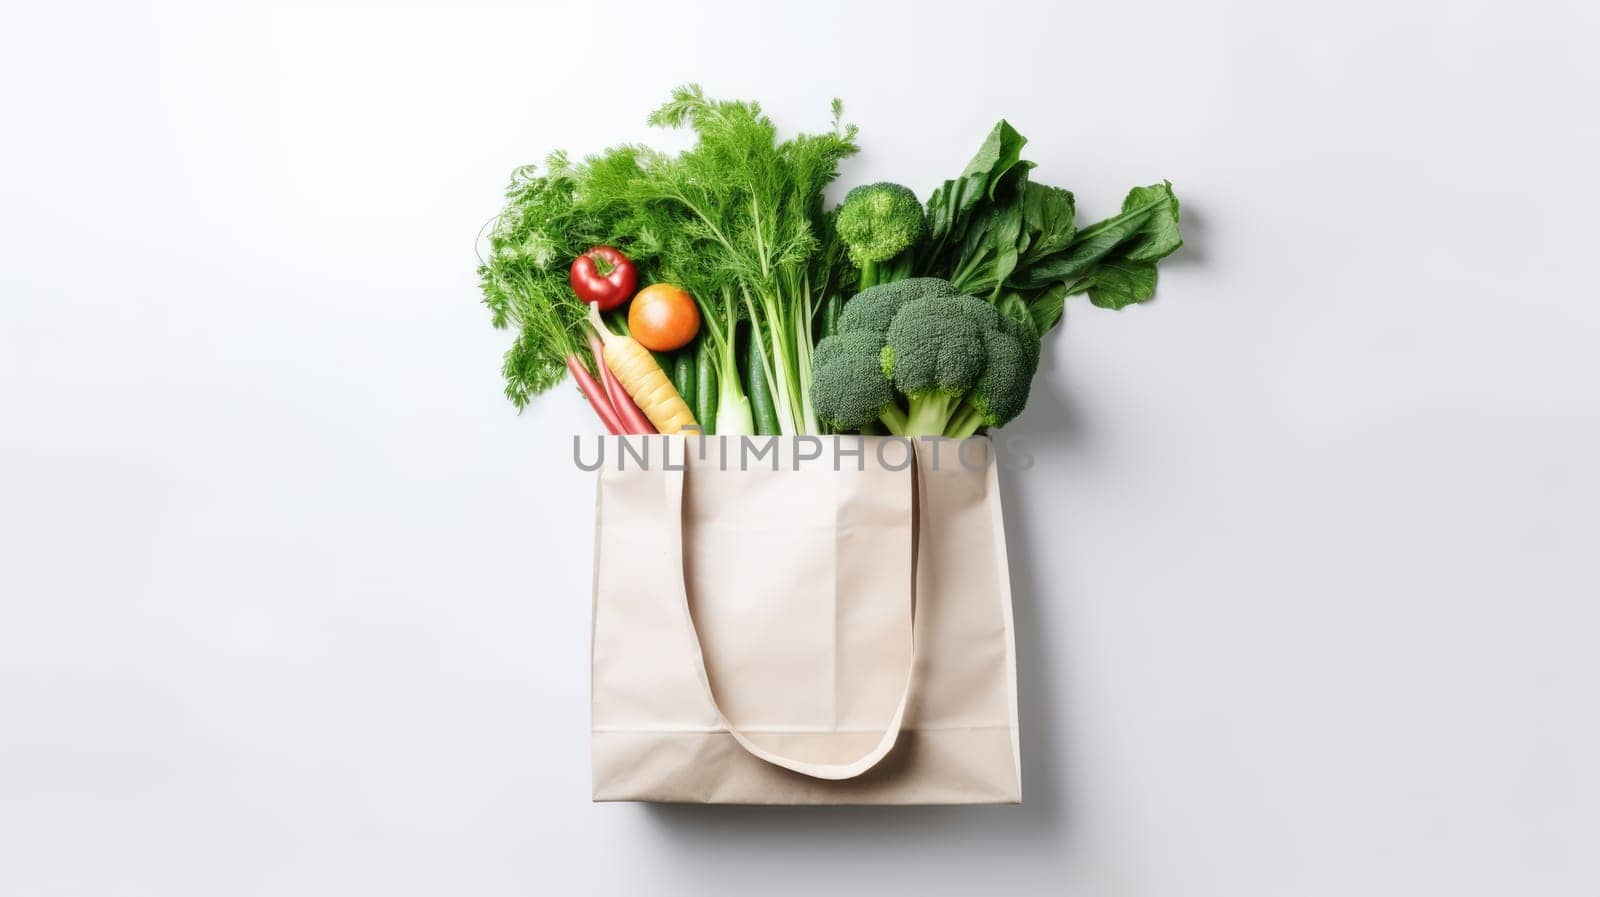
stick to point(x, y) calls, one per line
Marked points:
point(291, 601)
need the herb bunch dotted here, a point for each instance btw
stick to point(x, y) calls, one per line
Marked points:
point(523, 278)
point(739, 220)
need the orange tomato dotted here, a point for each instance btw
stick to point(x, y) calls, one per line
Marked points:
point(663, 317)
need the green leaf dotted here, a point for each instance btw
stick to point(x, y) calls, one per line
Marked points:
point(1046, 306)
point(1014, 306)
point(1000, 154)
point(1047, 220)
point(1146, 230)
point(530, 367)
point(1007, 231)
point(989, 253)
point(1159, 236)
point(996, 166)
point(1122, 283)
point(686, 101)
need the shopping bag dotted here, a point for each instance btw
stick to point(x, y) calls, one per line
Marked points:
point(802, 621)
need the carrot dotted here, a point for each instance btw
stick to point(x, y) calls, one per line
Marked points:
point(643, 379)
point(628, 413)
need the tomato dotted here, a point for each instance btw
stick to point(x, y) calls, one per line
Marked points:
point(603, 277)
point(663, 317)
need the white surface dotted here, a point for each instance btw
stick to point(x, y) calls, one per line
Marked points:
point(292, 603)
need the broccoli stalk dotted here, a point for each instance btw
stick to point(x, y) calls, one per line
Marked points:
point(964, 422)
point(931, 413)
point(880, 225)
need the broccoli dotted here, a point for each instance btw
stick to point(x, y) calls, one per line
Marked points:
point(872, 310)
point(1002, 390)
point(848, 388)
point(934, 353)
point(880, 224)
point(923, 361)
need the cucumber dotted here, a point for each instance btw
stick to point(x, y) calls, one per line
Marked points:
point(705, 406)
point(762, 410)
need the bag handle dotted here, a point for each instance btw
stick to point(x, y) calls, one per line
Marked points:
point(674, 482)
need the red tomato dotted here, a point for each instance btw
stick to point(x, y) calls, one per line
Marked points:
point(663, 317)
point(608, 289)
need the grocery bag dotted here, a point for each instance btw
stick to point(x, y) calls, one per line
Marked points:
point(802, 620)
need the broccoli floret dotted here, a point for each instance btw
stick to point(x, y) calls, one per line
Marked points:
point(872, 309)
point(934, 353)
point(848, 389)
point(880, 223)
point(924, 361)
point(1002, 392)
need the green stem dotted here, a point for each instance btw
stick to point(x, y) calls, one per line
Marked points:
point(802, 314)
point(733, 416)
point(965, 423)
point(802, 358)
point(761, 246)
point(894, 420)
point(969, 265)
point(930, 413)
point(784, 383)
point(765, 347)
point(869, 275)
point(830, 314)
point(776, 361)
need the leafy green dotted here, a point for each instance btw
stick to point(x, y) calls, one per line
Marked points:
point(524, 276)
point(1144, 232)
point(1115, 284)
point(738, 219)
point(996, 233)
point(1048, 215)
point(998, 163)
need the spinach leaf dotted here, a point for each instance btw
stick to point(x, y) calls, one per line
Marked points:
point(1145, 231)
point(1047, 221)
point(1015, 306)
point(988, 255)
point(1116, 284)
point(1046, 305)
point(993, 232)
point(991, 172)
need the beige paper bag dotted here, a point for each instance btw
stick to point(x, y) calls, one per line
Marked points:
point(806, 634)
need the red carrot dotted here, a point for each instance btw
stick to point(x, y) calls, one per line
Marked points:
point(592, 391)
